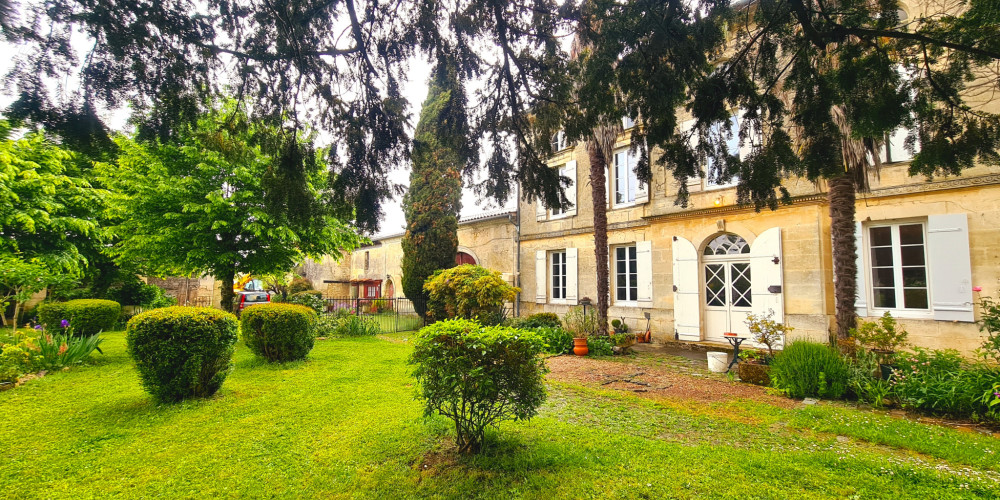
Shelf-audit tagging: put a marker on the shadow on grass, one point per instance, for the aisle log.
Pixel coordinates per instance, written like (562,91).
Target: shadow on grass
(257,363)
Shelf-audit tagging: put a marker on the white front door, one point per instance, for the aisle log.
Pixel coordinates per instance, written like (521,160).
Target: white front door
(727,297)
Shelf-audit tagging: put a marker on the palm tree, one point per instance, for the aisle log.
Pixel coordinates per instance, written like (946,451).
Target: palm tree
(600,147)
(861,161)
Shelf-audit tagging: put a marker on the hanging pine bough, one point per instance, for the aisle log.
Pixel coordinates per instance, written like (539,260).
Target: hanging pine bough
(335,65)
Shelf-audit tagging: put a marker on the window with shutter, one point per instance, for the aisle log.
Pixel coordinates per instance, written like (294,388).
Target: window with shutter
(625,275)
(917,268)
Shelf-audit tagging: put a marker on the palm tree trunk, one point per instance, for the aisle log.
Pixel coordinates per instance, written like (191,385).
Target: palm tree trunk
(845,269)
(598,183)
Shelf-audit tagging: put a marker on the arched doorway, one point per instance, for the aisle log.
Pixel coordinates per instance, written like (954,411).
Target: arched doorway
(464,258)
(727,297)
(390,289)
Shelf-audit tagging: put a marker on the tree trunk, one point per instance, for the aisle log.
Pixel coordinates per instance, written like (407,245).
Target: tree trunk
(598,183)
(845,269)
(227,278)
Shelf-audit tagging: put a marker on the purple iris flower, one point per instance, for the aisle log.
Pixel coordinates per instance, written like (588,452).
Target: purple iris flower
(38,327)
(64,323)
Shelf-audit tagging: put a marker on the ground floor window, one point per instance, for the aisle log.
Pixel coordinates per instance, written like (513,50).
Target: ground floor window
(559,275)
(626,274)
(898,264)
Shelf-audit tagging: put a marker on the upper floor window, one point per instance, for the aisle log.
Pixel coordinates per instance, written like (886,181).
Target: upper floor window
(712,175)
(627,123)
(626,274)
(559,141)
(570,172)
(898,264)
(625,182)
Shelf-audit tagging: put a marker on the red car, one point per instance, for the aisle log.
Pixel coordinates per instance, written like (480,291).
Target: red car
(247,299)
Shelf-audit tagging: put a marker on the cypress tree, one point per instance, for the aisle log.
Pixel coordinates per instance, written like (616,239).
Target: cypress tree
(441,150)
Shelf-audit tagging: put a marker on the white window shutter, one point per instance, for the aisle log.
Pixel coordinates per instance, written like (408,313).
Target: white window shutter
(687,299)
(570,171)
(541,273)
(572,288)
(950,267)
(539,210)
(861,293)
(766,277)
(644,266)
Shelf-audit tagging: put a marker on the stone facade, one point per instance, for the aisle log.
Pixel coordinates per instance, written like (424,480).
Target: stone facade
(788,262)
(200,292)
(489,240)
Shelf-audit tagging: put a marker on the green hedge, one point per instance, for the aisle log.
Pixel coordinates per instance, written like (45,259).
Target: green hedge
(86,316)
(182,352)
(279,332)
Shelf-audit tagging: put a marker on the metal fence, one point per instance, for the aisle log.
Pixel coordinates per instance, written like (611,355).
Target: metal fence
(392,315)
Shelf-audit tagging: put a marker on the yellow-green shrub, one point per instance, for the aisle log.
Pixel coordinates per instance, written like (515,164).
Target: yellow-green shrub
(279,332)
(468,291)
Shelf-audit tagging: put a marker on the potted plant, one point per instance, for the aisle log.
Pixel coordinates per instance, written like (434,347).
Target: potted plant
(753,367)
(764,331)
(882,337)
(582,324)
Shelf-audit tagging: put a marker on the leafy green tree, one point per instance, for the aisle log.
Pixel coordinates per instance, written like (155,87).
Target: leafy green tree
(48,209)
(209,203)
(442,149)
(19,280)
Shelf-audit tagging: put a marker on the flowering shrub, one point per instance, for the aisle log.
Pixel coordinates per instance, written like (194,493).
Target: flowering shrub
(87,316)
(989,323)
(279,332)
(182,352)
(478,376)
(941,382)
(46,351)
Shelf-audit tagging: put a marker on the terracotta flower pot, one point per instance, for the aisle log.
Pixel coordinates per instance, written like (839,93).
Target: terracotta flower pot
(580,347)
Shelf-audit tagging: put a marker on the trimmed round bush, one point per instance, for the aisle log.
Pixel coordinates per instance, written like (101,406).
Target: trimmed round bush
(86,316)
(542,320)
(182,352)
(279,332)
(809,369)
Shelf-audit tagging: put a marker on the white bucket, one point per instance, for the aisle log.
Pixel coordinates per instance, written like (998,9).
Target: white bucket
(718,361)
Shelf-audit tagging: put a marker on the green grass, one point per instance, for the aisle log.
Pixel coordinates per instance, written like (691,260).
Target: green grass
(344,423)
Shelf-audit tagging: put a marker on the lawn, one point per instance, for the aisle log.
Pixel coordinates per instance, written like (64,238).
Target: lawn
(345,424)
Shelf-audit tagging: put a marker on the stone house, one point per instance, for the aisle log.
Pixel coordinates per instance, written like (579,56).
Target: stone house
(374,271)
(698,271)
